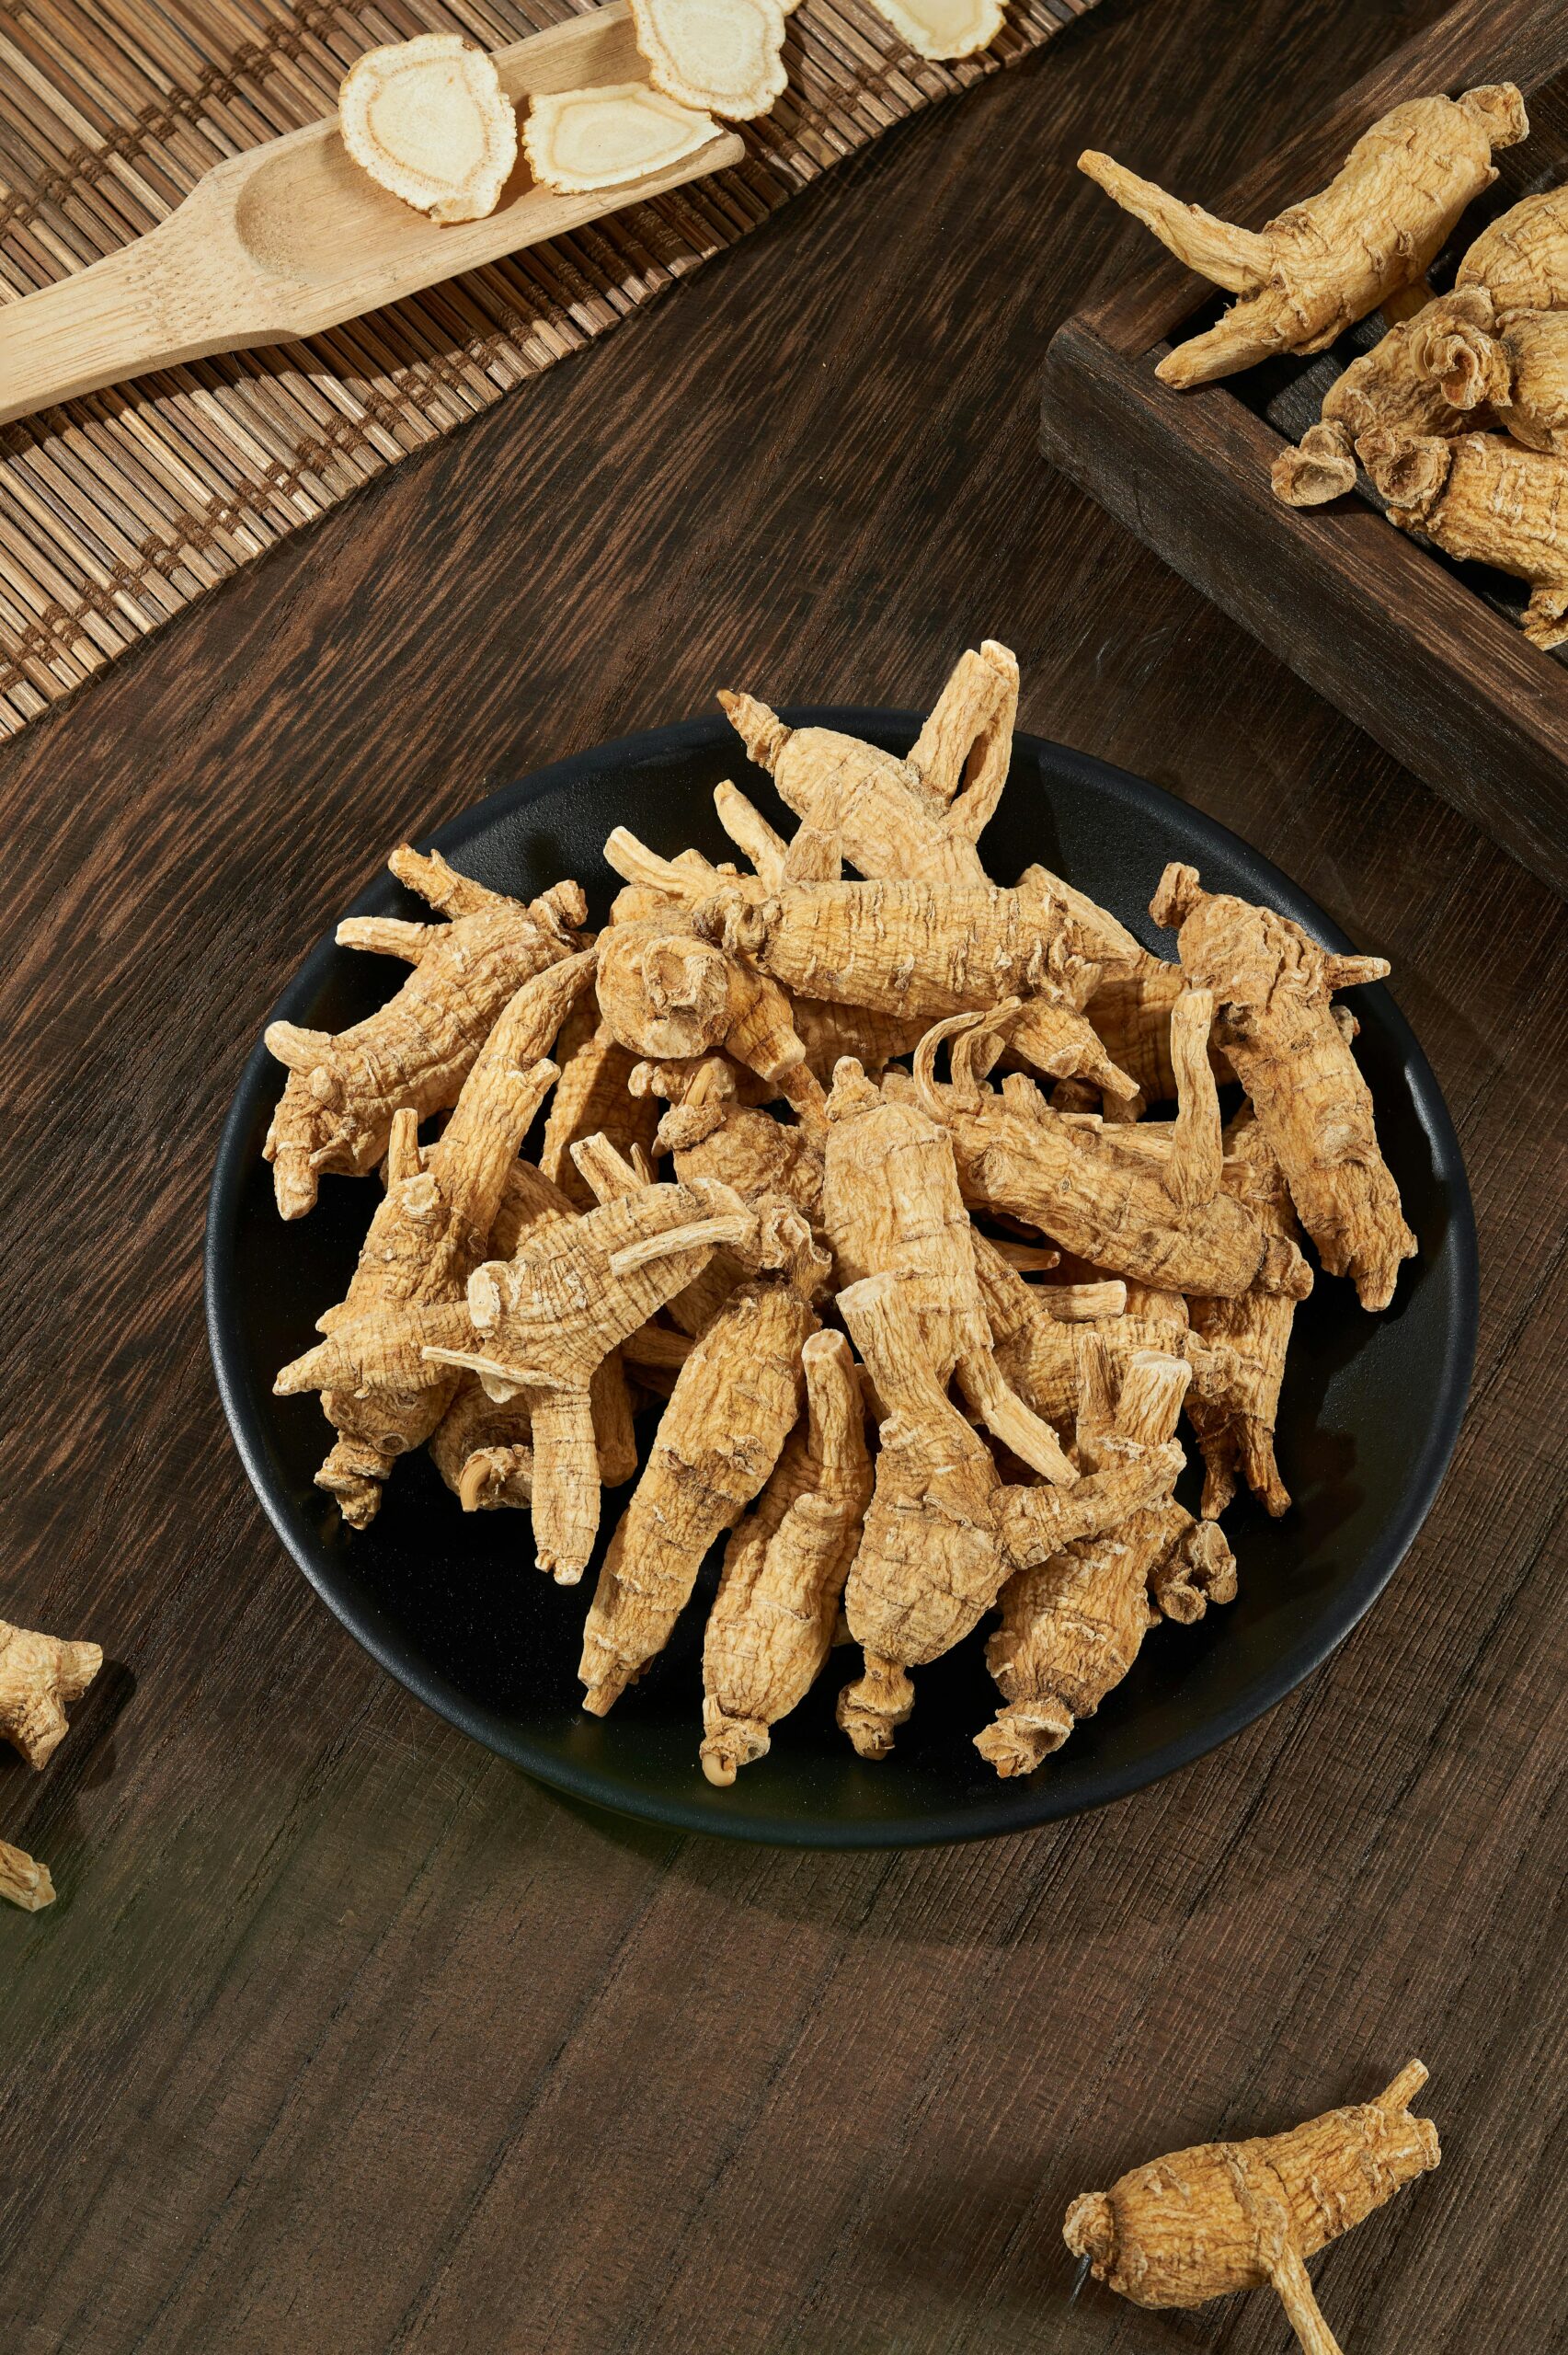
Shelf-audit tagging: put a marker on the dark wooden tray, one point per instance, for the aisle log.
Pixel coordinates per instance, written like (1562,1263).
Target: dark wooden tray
(1423,654)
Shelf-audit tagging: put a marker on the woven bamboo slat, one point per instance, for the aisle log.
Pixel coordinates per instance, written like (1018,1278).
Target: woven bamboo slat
(121,509)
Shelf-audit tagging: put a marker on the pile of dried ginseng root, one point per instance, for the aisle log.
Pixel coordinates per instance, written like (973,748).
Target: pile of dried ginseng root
(758,1199)
(1459,413)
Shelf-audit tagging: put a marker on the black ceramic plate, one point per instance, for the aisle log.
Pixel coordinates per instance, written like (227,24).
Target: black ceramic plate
(451,1603)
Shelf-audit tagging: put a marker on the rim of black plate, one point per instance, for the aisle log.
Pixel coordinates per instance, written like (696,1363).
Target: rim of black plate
(1024,1806)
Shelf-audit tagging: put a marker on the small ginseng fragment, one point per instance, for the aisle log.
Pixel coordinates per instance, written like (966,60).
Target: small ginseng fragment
(943,30)
(39,1675)
(23,1880)
(429,121)
(1202,2223)
(723,57)
(1317,268)
(1301,1079)
(580,139)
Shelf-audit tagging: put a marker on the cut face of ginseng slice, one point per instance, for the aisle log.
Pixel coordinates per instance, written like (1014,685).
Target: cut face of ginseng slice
(942,28)
(581,140)
(428,119)
(724,55)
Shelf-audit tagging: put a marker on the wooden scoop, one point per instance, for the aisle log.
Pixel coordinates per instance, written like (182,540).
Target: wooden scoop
(292,237)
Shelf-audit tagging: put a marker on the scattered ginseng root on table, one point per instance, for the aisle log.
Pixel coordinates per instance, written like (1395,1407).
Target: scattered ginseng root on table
(40,1675)
(1203,2223)
(751,1164)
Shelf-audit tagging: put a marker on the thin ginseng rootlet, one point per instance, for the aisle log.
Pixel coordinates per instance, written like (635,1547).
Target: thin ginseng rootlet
(849,1168)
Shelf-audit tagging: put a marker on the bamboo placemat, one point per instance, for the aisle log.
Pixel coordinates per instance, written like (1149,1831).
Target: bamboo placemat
(119,509)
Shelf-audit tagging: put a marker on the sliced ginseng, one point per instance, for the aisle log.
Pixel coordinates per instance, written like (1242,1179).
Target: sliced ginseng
(428,119)
(723,55)
(942,28)
(580,140)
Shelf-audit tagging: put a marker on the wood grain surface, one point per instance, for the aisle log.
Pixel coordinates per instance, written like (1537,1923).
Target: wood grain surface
(343,2037)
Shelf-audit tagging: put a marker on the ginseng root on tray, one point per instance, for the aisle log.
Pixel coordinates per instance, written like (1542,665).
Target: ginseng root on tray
(902,1194)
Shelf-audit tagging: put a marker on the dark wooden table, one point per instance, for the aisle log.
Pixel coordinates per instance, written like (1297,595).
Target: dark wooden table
(345,2036)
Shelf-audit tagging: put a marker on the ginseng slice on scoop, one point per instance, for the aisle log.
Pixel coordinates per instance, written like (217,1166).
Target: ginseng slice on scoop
(427,119)
(587,139)
(725,55)
(942,28)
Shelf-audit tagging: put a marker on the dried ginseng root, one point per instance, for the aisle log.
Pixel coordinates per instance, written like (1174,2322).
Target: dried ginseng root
(542,1322)
(1226,2216)
(1488,500)
(667,993)
(898,946)
(1160,1219)
(943,30)
(413,1053)
(1072,1625)
(1316,269)
(734,1405)
(480,1448)
(430,1230)
(891,1207)
(770,1626)
(23,1880)
(1234,1418)
(1515,372)
(39,1676)
(942,1536)
(428,120)
(725,57)
(593,1097)
(918,817)
(580,139)
(1521,259)
(1301,1079)
(1391,387)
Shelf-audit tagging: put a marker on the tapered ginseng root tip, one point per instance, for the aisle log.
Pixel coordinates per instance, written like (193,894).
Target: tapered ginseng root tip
(1499,109)
(1176,894)
(1322,466)
(730,1743)
(1089,2229)
(1410,473)
(294,1185)
(761,732)
(1023,1736)
(872,1709)
(1405,2087)
(1238,259)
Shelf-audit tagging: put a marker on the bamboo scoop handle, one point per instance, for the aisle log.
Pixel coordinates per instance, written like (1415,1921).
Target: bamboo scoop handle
(113,320)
